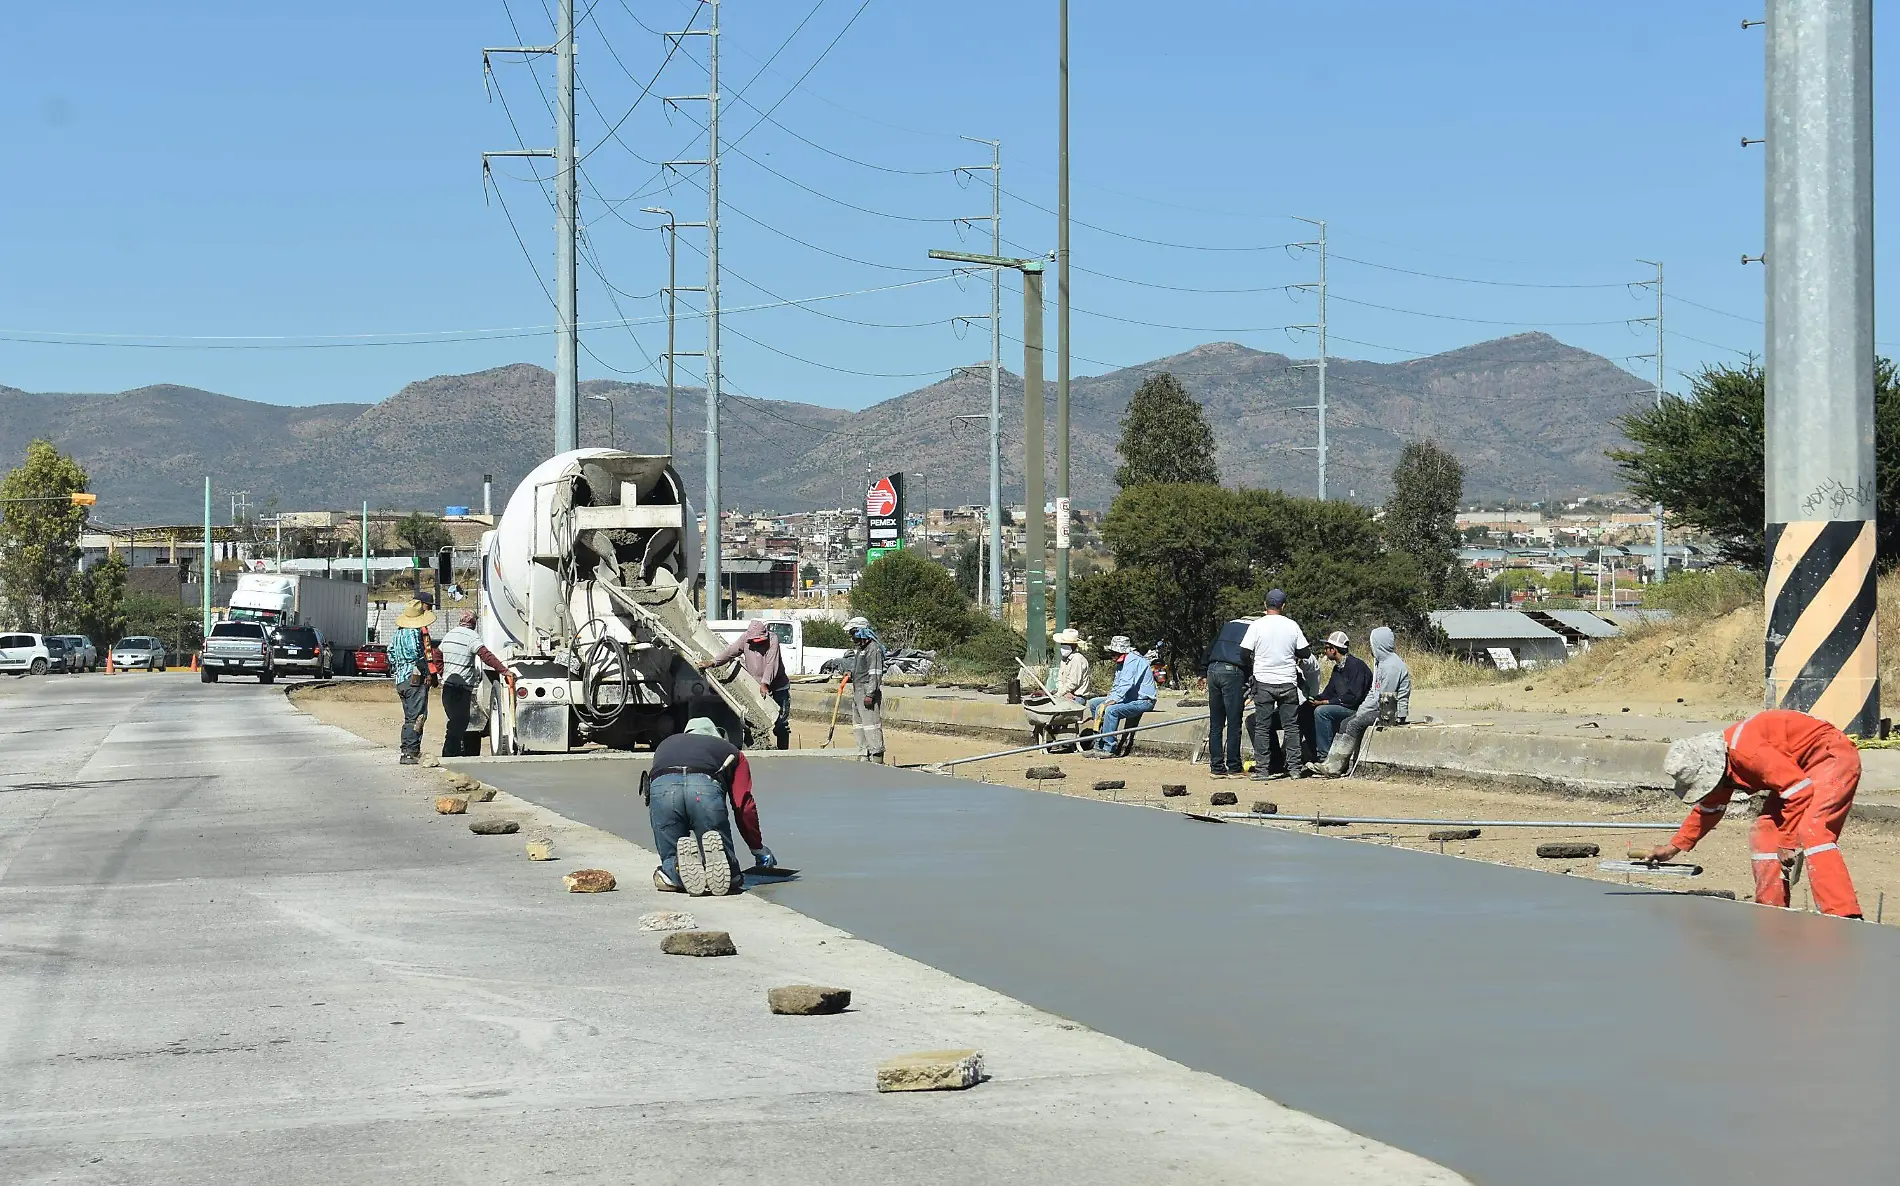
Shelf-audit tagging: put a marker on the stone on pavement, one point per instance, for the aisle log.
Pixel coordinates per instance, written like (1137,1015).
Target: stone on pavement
(698,943)
(451,805)
(931,1070)
(1040,772)
(808,1000)
(1111,784)
(1265,807)
(588,881)
(1173,790)
(1566,851)
(1454,834)
(493,827)
(540,850)
(667,920)
(481,792)
(1223,799)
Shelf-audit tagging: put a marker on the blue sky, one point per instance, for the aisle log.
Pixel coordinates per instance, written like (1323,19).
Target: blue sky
(275,176)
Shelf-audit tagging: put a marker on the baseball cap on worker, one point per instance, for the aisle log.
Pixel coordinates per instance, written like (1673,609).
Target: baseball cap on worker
(1338,639)
(1696,764)
(1276,598)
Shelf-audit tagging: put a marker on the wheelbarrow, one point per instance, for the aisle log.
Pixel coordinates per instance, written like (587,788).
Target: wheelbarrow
(1050,718)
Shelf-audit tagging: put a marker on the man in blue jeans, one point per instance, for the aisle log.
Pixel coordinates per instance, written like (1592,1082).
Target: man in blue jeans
(1132,694)
(1227,684)
(693,775)
(1343,693)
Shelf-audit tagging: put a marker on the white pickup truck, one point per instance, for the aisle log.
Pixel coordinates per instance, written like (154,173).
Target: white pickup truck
(237,648)
(798,658)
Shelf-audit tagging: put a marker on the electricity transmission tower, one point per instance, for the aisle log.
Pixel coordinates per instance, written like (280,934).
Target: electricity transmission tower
(671,293)
(994,593)
(567,416)
(1318,288)
(711,164)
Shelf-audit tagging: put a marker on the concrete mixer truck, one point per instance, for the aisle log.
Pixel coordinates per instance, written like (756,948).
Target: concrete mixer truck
(586,595)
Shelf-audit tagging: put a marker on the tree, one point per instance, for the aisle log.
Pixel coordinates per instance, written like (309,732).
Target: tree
(965,562)
(1701,458)
(1165,437)
(1421,519)
(912,601)
(164,618)
(424,533)
(98,605)
(39,541)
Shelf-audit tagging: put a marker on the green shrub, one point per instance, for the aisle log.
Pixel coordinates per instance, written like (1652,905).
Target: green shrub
(1708,593)
(912,601)
(823,632)
(990,649)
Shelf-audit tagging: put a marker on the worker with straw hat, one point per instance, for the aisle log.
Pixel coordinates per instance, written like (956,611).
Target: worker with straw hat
(1807,771)
(409,668)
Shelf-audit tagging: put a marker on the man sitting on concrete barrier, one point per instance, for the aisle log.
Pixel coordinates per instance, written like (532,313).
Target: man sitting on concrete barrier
(1343,693)
(1132,694)
(693,776)
(1808,772)
(1389,702)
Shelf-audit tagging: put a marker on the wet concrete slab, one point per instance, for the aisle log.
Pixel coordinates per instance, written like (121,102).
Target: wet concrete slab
(1514,1026)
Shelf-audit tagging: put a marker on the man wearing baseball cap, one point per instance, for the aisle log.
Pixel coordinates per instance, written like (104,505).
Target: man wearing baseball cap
(1807,769)
(1344,692)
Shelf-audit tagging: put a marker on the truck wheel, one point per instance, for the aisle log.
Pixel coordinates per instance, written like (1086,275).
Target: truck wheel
(39,667)
(207,676)
(267,677)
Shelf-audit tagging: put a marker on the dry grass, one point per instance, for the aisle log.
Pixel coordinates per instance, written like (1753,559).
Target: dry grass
(1432,670)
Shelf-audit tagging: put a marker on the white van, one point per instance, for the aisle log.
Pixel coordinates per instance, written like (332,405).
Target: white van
(798,658)
(24,653)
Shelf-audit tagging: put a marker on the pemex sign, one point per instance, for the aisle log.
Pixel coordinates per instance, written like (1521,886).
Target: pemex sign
(884,516)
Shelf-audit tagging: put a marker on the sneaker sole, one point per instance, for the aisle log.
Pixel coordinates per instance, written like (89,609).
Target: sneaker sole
(717,870)
(692,870)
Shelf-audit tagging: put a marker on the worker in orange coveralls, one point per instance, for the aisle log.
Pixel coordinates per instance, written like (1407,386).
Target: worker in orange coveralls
(1808,770)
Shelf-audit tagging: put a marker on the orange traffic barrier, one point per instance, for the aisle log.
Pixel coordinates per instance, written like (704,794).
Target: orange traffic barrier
(194,661)
(108,662)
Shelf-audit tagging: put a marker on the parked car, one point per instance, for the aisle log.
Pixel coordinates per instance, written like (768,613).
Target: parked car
(136,651)
(62,658)
(372,658)
(237,648)
(83,650)
(24,654)
(299,650)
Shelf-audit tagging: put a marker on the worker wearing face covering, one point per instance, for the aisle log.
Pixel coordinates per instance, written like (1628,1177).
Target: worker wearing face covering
(1807,769)
(867,689)
(757,650)
(1072,673)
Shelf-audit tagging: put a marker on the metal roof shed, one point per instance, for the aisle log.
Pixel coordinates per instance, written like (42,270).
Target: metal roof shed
(1477,632)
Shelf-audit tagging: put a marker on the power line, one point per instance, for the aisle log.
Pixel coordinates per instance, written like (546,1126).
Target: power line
(1366,263)
(1151,242)
(1475,320)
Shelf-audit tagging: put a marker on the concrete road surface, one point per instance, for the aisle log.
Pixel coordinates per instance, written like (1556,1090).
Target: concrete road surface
(237,946)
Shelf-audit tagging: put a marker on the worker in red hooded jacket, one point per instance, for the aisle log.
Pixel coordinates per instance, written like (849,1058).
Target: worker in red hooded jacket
(1808,770)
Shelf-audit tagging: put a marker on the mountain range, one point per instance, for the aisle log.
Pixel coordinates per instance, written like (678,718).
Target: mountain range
(1529,416)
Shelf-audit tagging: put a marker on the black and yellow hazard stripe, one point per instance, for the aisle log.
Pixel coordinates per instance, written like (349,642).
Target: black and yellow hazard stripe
(1821,644)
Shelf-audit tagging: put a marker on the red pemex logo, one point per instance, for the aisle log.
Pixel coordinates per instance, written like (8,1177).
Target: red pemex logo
(881,499)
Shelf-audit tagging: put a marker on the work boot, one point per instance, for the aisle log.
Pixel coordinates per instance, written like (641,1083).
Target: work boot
(877,757)
(664,884)
(717,869)
(409,760)
(692,868)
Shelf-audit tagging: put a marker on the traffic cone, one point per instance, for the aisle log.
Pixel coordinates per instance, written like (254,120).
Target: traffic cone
(108,662)
(194,660)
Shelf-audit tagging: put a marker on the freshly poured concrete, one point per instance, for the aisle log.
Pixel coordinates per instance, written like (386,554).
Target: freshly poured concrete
(237,946)
(1515,1026)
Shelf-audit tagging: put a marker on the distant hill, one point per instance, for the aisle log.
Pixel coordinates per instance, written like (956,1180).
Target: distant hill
(1527,415)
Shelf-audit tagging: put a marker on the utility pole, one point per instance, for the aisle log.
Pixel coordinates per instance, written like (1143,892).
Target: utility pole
(567,421)
(672,291)
(1821,495)
(365,527)
(1662,562)
(1062,318)
(995,219)
(1319,326)
(711,162)
(204,577)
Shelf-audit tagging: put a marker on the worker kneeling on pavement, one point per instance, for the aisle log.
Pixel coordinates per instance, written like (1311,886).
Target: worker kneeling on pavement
(694,774)
(1807,771)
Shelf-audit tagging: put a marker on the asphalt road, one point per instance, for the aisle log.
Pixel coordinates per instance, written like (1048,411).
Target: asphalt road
(236,945)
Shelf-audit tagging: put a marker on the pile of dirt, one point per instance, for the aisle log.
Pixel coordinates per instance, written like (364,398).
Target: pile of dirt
(1719,656)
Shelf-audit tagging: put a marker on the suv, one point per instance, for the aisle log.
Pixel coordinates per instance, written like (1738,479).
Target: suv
(25,653)
(139,650)
(237,648)
(299,650)
(85,655)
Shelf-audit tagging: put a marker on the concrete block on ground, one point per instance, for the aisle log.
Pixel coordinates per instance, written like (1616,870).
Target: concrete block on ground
(493,827)
(808,1000)
(931,1070)
(1566,851)
(451,805)
(588,881)
(1042,772)
(698,943)
(1111,784)
(1454,834)
(1173,790)
(1223,799)
(668,920)
(540,850)
(1265,807)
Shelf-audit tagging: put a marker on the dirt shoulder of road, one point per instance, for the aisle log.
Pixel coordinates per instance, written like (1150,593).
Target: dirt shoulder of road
(370,710)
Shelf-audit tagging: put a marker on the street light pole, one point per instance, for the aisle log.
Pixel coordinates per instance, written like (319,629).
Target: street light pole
(925,479)
(1035,560)
(1062,315)
(613,433)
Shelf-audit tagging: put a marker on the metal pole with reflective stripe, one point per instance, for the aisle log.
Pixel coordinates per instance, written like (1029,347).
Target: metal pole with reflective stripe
(1819,482)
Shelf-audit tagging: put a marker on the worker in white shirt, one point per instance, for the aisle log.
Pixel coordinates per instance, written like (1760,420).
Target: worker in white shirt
(1279,655)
